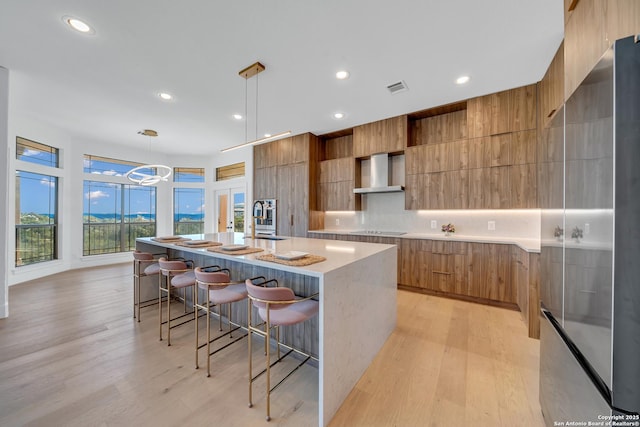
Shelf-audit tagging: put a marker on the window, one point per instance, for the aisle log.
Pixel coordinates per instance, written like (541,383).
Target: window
(188,175)
(36,218)
(188,210)
(235,170)
(35,152)
(115,215)
(97,165)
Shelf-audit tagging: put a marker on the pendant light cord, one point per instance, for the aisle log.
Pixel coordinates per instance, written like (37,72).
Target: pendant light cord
(246,119)
(257,77)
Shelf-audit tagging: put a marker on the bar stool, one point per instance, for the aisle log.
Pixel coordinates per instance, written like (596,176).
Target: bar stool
(151,268)
(179,275)
(277,306)
(220,290)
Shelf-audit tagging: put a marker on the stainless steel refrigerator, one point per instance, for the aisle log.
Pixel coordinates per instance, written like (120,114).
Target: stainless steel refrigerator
(589,160)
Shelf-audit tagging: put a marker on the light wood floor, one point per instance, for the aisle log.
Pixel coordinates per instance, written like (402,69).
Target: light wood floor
(71,354)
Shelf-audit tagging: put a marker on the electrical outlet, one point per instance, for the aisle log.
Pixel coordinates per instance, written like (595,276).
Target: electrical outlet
(434,224)
(491,225)
(337,221)
(587,228)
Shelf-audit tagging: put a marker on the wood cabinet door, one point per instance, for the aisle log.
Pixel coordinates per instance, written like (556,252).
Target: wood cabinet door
(265,155)
(294,149)
(523,147)
(264,183)
(285,195)
(489,270)
(479,116)
(292,200)
(551,91)
(523,186)
(383,136)
(415,263)
(522,108)
(498,273)
(489,188)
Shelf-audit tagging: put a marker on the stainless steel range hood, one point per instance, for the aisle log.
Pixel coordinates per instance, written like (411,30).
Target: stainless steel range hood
(379,178)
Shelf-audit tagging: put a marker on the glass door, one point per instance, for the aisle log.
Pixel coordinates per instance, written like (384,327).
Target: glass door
(230,210)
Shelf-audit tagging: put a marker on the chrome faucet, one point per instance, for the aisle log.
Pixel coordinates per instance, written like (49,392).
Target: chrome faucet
(255,217)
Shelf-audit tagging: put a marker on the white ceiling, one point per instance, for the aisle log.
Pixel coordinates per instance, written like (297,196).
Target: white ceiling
(104,87)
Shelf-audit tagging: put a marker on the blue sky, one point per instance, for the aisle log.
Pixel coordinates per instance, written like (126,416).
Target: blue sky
(36,193)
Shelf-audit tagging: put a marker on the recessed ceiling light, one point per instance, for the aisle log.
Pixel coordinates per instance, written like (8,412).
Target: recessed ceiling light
(78,25)
(342,74)
(166,96)
(237,116)
(462,80)
(338,115)
(267,135)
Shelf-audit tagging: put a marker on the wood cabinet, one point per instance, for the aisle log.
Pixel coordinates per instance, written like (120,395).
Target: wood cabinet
(490,272)
(336,184)
(439,190)
(494,168)
(337,175)
(293,200)
(384,136)
(503,172)
(507,111)
(590,30)
(551,88)
(414,263)
(264,183)
(438,128)
(449,269)
(285,170)
(502,274)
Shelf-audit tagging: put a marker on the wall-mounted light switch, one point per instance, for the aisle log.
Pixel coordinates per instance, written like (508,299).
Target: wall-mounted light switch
(337,221)
(587,228)
(491,225)
(434,223)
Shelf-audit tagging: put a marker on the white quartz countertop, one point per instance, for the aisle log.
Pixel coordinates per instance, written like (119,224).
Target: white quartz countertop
(529,245)
(337,253)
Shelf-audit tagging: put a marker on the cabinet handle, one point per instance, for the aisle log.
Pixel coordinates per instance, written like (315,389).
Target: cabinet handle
(442,272)
(292,220)
(584,291)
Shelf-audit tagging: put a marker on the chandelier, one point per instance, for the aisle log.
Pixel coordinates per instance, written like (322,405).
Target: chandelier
(149,174)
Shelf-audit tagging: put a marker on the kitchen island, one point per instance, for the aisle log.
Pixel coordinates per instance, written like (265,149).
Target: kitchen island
(357,287)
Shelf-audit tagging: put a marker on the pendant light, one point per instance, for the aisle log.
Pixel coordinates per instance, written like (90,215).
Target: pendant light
(140,175)
(247,73)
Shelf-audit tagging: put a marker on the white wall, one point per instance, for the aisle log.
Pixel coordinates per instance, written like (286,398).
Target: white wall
(4,188)
(385,211)
(71,176)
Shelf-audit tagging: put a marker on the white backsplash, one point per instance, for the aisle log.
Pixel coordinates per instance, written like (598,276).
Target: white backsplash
(385,212)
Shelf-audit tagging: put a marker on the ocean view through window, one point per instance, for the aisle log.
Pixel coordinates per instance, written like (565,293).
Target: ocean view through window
(188,211)
(115,215)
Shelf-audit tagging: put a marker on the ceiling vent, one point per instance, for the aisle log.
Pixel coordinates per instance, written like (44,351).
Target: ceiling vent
(400,86)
